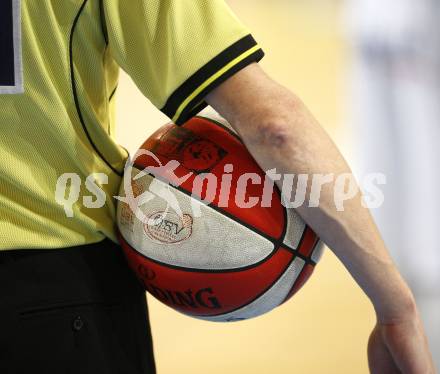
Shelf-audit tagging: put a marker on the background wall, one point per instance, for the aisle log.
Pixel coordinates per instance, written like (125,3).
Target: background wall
(324,328)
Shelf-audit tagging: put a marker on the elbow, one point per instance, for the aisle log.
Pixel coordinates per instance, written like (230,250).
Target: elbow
(275,127)
(272,133)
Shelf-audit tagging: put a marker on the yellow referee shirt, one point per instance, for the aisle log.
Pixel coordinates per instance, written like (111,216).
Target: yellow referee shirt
(59,64)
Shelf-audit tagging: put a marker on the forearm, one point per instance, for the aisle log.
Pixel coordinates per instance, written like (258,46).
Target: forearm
(281,133)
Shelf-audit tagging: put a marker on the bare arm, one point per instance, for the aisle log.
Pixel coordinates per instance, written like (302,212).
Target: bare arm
(281,133)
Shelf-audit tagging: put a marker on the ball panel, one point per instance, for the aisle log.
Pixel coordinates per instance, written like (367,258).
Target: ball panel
(295,229)
(308,242)
(302,279)
(203,293)
(267,301)
(209,114)
(209,240)
(318,252)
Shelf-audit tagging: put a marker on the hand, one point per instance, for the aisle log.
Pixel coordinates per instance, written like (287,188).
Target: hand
(400,347)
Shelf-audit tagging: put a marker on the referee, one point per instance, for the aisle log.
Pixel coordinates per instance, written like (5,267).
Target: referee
(68,304)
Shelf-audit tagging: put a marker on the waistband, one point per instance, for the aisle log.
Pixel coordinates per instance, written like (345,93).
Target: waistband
(90,273)
(12,255)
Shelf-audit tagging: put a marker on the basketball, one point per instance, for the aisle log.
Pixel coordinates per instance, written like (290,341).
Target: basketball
(205,230)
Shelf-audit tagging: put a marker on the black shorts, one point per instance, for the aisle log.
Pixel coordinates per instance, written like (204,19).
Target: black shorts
(76,310)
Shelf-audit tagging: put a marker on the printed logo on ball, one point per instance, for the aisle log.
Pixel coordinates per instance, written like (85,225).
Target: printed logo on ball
(194,152)
(168,227)
(202,155)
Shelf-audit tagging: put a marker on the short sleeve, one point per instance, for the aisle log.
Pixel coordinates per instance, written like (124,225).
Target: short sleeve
(177,51)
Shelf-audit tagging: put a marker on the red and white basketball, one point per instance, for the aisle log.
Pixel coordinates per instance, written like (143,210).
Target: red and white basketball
(201,230)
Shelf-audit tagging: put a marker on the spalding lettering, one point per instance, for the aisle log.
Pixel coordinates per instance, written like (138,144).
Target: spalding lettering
(209,302)
(204,297)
